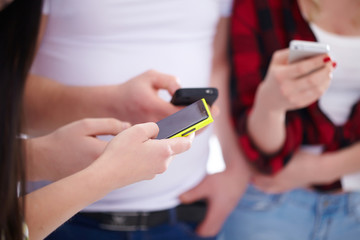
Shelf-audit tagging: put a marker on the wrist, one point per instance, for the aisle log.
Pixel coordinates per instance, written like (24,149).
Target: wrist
(265,105)
(35,159)
(329,169)
(238,167)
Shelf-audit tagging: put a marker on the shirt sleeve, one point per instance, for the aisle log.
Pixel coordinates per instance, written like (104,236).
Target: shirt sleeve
(46,7)
(225,7)
(249,69)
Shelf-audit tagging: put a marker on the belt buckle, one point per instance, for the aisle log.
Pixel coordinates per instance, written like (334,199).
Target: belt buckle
(127,221)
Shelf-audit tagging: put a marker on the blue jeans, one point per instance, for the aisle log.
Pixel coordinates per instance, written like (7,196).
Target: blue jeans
(83,228)
(297,215)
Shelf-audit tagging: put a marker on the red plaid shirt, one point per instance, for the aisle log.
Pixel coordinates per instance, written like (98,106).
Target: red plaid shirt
(260,27)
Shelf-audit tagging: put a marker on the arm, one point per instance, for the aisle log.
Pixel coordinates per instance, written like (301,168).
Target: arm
(49,104)
(130,157)
(286,87)
(261,101)
(221,190)
(68,149)
(307,169)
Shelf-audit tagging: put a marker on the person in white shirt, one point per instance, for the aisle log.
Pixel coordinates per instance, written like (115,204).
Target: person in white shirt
(132,155)
(91,49)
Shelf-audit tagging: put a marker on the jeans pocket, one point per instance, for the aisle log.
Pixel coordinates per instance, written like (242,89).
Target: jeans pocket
(257,200)
(354,206)
(188,229)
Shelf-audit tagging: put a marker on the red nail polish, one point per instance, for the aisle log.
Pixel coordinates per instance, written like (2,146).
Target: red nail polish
(334,64)
(326,59)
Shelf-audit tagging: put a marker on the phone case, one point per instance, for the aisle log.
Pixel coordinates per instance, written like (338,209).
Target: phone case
(186,96)
(189,129)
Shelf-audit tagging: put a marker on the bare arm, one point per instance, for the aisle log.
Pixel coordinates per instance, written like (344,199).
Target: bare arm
(69,149)
(221,190)
(307,169)
(49,104)
(283,90)
(130,157)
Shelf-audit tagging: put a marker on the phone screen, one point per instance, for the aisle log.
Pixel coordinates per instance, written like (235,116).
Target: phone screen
(181,120)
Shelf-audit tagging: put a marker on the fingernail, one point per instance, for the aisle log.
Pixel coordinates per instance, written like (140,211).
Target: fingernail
(326,59)
(126,125)
(334,64)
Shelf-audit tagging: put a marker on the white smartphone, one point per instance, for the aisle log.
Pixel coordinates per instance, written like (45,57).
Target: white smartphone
(300,49)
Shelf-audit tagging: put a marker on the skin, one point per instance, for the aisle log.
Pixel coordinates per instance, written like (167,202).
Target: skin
(49,105)
(306,169)
(131,156)
(69,149)
(286,87)
(223,190)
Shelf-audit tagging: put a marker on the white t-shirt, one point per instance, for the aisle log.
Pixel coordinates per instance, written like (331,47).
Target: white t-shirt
(91,42)
(344,90)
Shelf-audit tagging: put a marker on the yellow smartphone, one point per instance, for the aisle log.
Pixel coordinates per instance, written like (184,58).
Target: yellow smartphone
(187,120)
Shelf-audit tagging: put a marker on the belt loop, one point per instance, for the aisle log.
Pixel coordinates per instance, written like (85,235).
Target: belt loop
(173,216)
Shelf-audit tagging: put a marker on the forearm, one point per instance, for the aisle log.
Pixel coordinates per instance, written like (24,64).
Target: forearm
(49,207)
(34,156)
(342,162)
(233,157)
(48,104)
(266,127)
(220,77)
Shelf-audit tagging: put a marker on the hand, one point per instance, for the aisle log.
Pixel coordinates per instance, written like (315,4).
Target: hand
(137,100)
(133,155)
(303,170)
(70,148)
(222,191)
(293,86)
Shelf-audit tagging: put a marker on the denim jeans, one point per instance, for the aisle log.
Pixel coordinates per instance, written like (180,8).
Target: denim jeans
(83,228)
(297,215)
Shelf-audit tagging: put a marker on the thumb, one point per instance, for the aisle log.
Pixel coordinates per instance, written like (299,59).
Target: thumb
(165,81)
(99,126)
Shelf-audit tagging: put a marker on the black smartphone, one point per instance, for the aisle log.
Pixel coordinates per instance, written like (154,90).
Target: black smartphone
(186,96)
(185,121)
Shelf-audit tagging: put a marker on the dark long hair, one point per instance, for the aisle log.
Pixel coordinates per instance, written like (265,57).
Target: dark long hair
(19,23)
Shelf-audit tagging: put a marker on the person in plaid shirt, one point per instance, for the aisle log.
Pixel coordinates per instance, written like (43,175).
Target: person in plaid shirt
(299,128)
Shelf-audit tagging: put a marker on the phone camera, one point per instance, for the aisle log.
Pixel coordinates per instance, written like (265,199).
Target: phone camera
(208,91)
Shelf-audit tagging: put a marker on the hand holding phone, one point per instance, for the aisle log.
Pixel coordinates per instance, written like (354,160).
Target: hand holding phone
(186,96)
(185,121)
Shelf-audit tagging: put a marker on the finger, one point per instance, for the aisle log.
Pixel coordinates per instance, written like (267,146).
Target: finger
(319,80)
(311,93)
(180,144)
(144,131)
(214,219)
(215,111)
(306,66)
(165,81)
(100,126)
(280,56)
(163,109)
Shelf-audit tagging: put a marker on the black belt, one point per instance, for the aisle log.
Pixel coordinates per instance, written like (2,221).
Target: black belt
(132,221)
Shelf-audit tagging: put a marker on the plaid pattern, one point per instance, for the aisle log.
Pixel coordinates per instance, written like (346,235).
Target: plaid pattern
(260,27)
